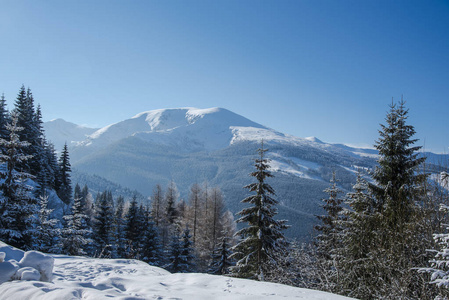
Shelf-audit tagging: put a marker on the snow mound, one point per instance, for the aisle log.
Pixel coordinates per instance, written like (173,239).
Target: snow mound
(16,264)
(90,278)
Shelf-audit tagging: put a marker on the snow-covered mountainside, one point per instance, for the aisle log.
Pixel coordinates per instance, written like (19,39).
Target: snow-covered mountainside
(189,145)
(62,132)
(89,278)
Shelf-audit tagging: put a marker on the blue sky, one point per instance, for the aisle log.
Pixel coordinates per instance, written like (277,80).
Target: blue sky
(308,68)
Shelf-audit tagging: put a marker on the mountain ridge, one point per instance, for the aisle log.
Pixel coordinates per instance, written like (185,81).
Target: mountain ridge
(217,146)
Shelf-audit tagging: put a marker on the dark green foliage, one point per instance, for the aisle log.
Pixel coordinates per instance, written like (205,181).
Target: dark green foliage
(221,261)
(65,189)
(330,229)
(132,230)
(151,251)
(388,232)
(120,228)
(181,258)
(263,239)
(18,205)
(76,233)
(4,118)
(103,226)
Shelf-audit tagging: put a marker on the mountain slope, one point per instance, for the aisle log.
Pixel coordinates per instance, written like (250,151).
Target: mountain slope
(217,146)
(60,132)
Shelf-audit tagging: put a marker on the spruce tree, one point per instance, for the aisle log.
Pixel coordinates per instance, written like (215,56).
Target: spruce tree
(76,233)
(18,206)
(48,234)
(65,190)
(120,228)
(174,253)
(103,226)
(263,238)
(151,248)
(329,238)
(221,261)
(186,257)
(132,229)
(4,118)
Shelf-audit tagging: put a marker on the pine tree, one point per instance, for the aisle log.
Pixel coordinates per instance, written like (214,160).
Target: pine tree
(76,233)
(18,205)
(48,234)
(120,228)
(356,263)
(186,257)
(103,226)
(394,218)
(330,228)
(4,118)
(221,261)
(174,253)
(151,248)
(263,237)
(132,229)
(65,190)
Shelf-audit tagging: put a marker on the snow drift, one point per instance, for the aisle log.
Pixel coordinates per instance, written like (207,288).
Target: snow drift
(90,278)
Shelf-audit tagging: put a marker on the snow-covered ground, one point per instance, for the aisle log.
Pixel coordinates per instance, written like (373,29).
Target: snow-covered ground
(89,278)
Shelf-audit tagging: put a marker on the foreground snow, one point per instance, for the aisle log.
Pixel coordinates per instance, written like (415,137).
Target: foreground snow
(89,278)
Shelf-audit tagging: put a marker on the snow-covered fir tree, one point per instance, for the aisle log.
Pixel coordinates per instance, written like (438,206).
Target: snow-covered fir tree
(262,239)
(120,227)
(181,258)
(173,253)
(103,226)
(18,206)
(47,236)
(221,261)
(187,257)
(76,233)
(330,229)
(65,189)
(4,118)
(151,247)
(132,229)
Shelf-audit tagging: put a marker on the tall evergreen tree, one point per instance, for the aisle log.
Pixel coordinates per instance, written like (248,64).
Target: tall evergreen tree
(47,237)
(330,228)
(4,118)
(120,228)
(151,248)
(103,226)
(132,229)
(398,233)
(221,261)
(76,233)
(18,205)
(65,190)
(263,238)
(186,257)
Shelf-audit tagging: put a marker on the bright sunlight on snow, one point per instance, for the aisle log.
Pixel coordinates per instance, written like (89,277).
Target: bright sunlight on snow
(91,278)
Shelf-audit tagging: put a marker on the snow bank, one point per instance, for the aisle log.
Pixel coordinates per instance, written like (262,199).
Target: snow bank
(16,264)
(91,278)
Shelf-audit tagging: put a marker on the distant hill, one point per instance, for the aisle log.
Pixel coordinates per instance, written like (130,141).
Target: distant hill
(217,146)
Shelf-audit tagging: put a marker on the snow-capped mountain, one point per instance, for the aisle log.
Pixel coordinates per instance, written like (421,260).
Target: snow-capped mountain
(189,145)
(61,132)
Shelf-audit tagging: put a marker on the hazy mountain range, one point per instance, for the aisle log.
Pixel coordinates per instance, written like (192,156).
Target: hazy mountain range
(217,146)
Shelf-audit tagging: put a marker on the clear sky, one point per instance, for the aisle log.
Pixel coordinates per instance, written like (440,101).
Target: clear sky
(308,68)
